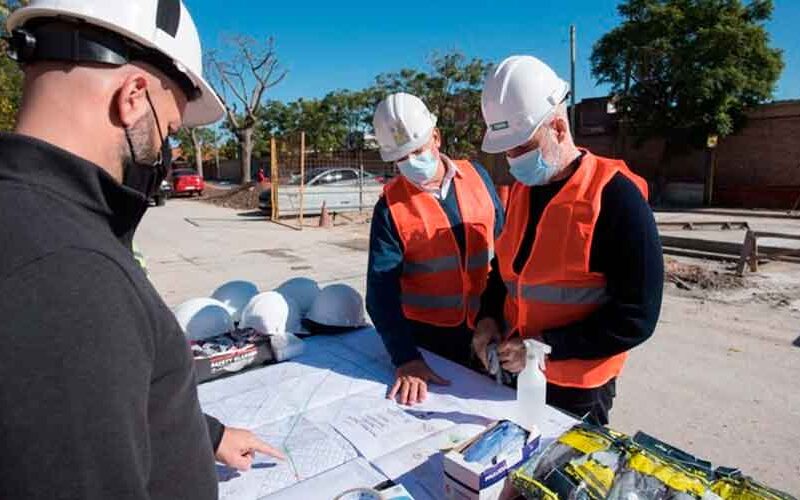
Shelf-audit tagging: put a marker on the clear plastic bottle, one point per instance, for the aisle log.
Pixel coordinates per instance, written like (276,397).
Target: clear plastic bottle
(532,385)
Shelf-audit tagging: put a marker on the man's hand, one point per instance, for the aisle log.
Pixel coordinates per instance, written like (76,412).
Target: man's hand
(486,331)
(512,355)
(238,448)
(412,380)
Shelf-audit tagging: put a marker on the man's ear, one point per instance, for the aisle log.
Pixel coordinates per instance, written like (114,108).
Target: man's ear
(437,138)
(561,127)
(131,100)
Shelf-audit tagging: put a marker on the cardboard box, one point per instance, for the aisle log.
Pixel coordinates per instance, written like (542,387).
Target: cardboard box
(472,481)
(235,360)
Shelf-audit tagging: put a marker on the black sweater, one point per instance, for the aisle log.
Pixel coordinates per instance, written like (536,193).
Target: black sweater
(626,248)
(98,397)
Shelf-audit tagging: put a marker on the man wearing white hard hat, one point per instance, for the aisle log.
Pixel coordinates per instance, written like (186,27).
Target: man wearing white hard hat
(579,261)
(431,245)
(99,398)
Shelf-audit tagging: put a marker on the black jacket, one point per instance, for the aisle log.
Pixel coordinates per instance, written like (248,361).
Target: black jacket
(97,392)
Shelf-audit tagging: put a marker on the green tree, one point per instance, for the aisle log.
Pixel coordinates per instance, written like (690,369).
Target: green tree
(327,122)
(229,149)
(684,70)
(10,75)
(451,88)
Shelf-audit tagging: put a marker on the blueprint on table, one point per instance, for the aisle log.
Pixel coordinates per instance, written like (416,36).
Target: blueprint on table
(310,450)
(291,404)
(327,408)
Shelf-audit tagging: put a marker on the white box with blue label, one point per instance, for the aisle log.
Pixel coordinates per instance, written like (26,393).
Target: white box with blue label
(479,468)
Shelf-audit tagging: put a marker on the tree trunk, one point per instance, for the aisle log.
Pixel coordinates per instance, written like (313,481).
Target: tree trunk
(198,152)
(246,147)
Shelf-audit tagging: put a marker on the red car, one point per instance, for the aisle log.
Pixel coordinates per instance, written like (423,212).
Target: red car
(187,181)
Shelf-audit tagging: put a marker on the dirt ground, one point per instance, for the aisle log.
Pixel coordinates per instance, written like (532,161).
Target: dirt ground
(238,198)
(700,275)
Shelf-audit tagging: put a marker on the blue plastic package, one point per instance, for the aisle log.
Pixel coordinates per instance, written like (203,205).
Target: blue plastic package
(502,440)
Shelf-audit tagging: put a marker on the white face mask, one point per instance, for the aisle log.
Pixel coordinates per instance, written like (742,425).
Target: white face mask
(532,169)
(419,169)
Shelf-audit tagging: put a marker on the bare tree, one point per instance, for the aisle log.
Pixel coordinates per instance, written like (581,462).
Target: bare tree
(241,81)
(198,151)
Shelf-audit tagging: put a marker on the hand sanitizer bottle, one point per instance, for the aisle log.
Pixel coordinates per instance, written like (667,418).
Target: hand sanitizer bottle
(532,385)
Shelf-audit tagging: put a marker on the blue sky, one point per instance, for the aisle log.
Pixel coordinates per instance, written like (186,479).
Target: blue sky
(329,45)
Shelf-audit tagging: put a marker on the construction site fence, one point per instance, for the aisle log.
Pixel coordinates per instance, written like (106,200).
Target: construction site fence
(305,183)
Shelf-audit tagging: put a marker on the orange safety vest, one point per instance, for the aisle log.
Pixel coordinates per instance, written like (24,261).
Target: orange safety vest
(556,287)
(439,285)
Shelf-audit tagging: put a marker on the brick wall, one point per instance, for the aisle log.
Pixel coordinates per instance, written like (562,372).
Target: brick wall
(759,167)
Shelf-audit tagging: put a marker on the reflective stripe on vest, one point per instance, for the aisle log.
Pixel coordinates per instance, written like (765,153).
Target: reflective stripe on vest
(438,301)
(563,295)
(560,294)
(448,263)
(556,287)
(439,284)
(480,260)
(436,265)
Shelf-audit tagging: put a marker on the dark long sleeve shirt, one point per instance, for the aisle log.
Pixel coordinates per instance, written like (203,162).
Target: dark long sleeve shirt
(626,249)
(99,398)
(400,335)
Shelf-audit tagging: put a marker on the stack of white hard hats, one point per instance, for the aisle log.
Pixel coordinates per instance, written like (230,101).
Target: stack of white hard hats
(203,318)
(338,306)
(279,313)
(235,295)
(271,313)
(303,291)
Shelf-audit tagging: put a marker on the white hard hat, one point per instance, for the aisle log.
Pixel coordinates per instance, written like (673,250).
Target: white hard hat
(519,95)
(271,313)
(339,306)
(303,291)
(163,26)
(235,295)
(203,318)
(402,124)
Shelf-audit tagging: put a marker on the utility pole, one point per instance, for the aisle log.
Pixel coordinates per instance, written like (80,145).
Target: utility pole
(572,78)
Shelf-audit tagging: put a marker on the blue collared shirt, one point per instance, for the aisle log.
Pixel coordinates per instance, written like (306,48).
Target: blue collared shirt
(386,268)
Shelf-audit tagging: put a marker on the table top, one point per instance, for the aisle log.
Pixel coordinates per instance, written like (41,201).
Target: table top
(327,410)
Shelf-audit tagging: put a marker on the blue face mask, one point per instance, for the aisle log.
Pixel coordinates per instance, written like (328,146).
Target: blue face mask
(419,169)
(530,169)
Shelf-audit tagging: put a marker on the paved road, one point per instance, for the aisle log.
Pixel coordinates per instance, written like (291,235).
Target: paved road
(720,378)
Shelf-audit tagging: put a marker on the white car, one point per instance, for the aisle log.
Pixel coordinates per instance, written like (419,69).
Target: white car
(337,187)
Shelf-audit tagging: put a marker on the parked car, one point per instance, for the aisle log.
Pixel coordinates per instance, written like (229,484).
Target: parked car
(337,187)
(164,190)
(187,181)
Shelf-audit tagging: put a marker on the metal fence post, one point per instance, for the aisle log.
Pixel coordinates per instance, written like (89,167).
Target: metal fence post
(302,175)
(360,182)
(274,178)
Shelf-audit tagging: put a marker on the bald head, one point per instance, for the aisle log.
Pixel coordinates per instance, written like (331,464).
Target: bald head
(86,109)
